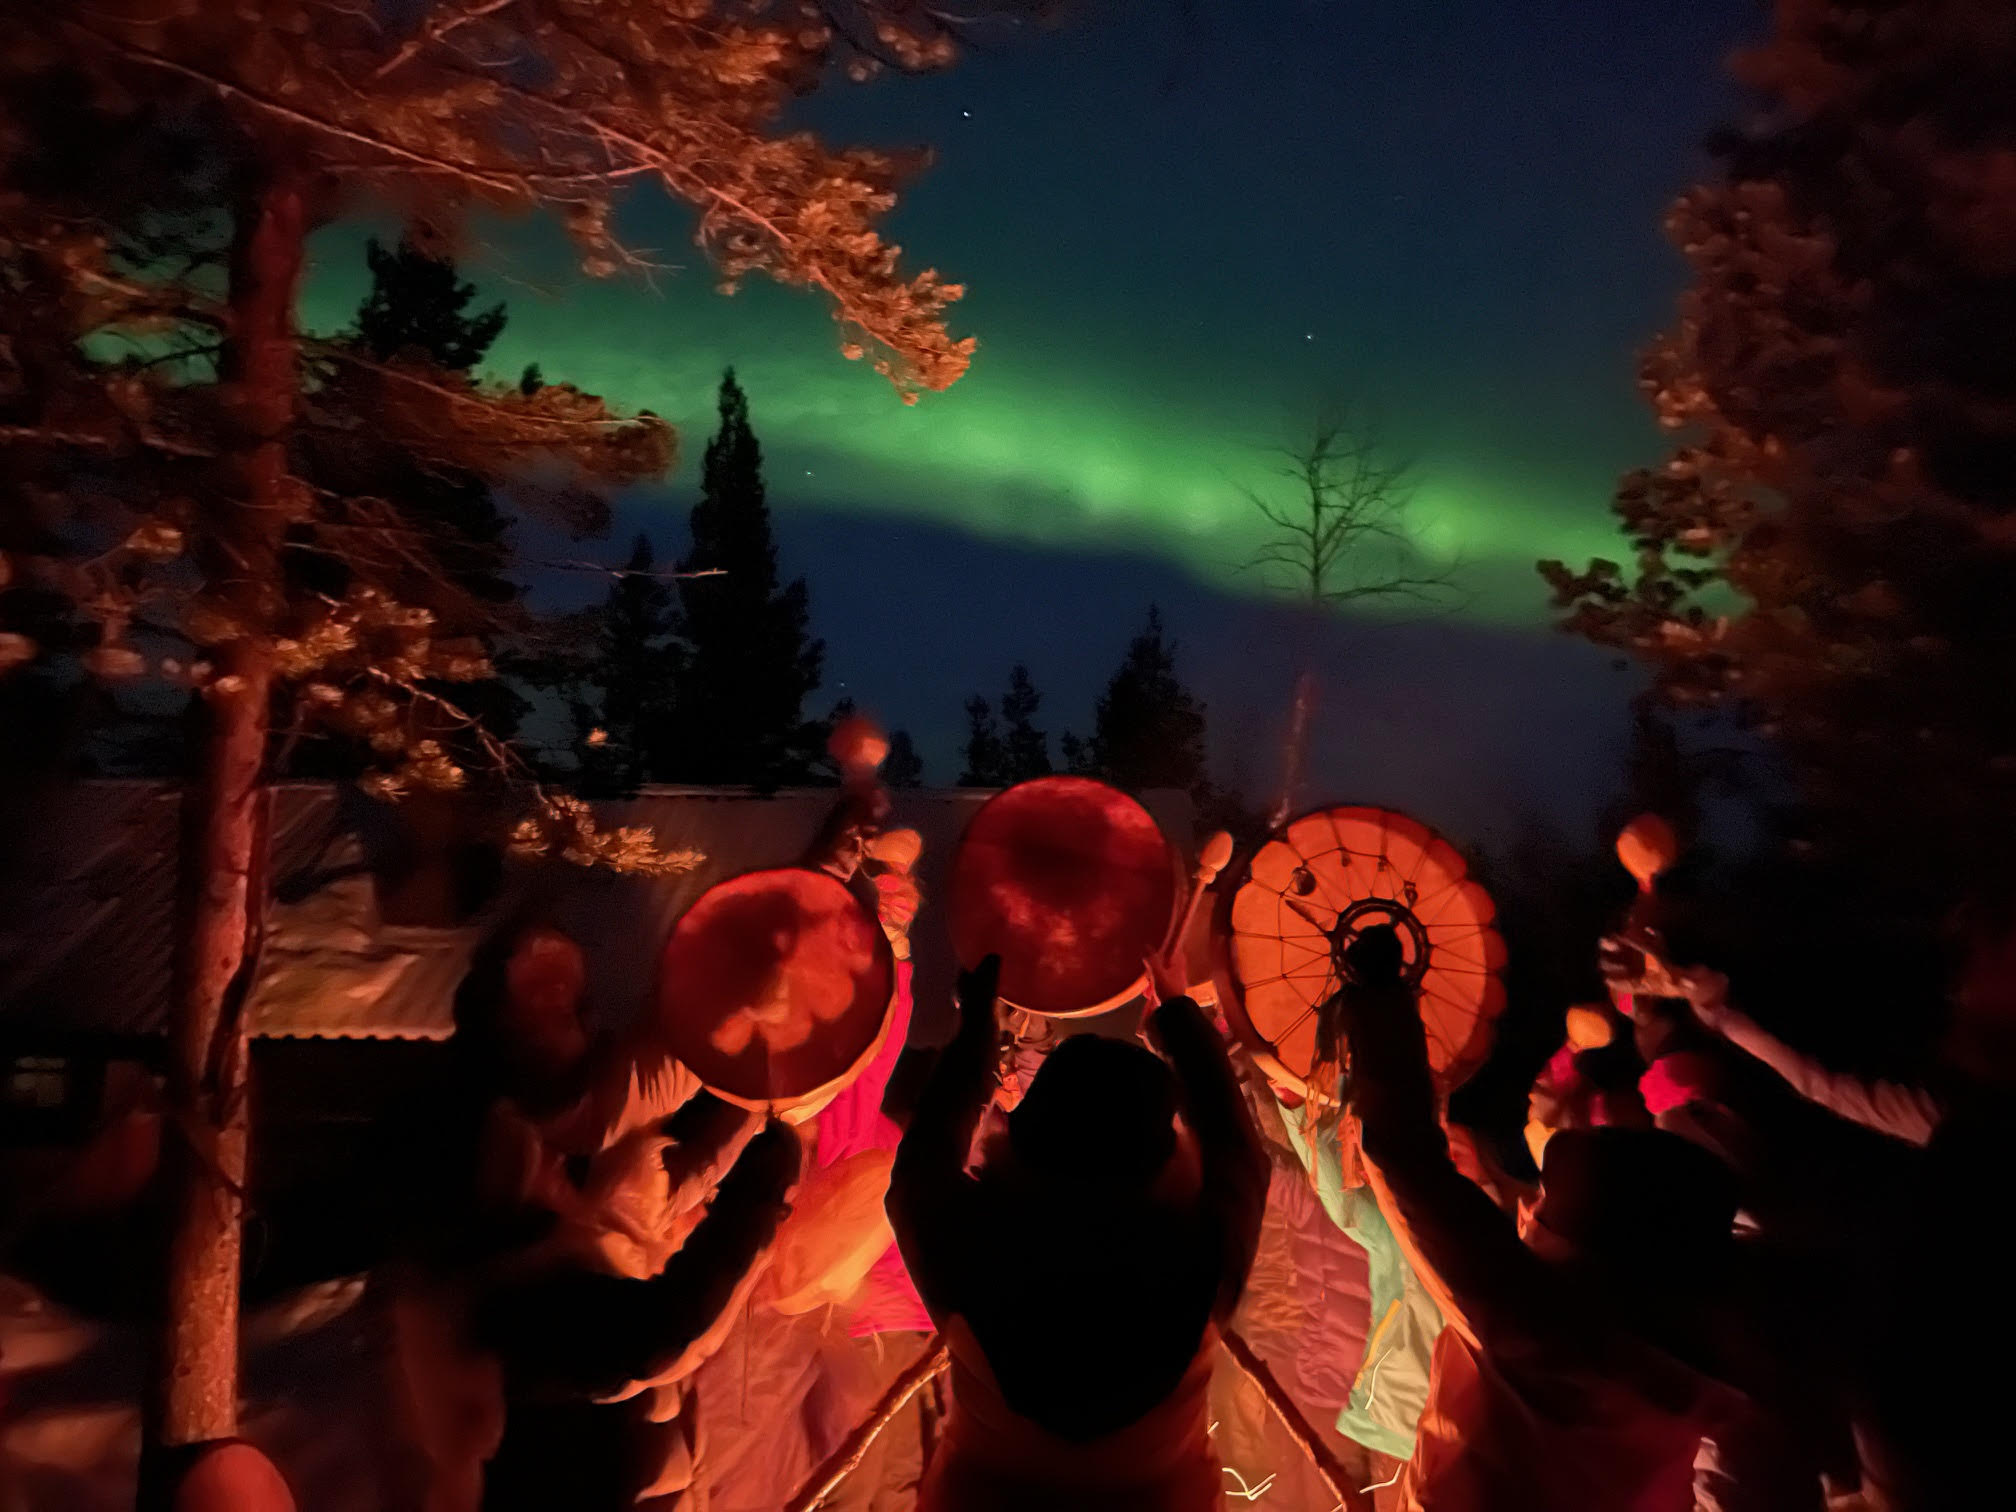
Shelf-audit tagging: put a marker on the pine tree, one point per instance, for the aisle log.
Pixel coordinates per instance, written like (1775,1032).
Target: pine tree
(827,768)
(630,678)
(986,756)
(1077,754)
(1148,729)
(903,767)
(296,107)
(1827,554)
(749,663)
(416,308)
(1025,749)
(456,538)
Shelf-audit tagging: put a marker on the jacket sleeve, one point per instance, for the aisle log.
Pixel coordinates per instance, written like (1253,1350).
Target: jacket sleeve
(1464,1248)
(585,1334)
(1903,1112)
(1234,1162)
(930,1194)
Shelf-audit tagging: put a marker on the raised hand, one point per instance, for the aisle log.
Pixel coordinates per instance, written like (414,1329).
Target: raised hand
(1168,975)
(1629,966)
(1707,993)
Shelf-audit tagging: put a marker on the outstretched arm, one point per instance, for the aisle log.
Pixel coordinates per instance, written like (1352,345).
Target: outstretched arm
(585,1334)
(929,1192)
(1465,1248)
(1229,1150)
(1903,1112)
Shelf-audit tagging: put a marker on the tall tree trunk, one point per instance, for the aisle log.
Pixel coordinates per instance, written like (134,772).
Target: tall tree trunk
(1295,746)
(221,898)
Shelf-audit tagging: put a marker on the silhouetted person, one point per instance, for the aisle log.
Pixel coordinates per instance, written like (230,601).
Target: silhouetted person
(566,1339)
(572,1340)
(1929,1420)
(1579,1365)
(1078,1273)
(1941,1329)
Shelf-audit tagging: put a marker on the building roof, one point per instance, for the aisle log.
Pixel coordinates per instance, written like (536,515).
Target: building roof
(87,898)
(87,919)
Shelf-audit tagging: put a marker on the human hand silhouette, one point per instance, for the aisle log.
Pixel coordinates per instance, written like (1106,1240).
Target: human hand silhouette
(979,997)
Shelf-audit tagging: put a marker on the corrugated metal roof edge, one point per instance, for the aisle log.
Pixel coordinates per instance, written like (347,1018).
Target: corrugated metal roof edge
(438,1036)
(410,1031)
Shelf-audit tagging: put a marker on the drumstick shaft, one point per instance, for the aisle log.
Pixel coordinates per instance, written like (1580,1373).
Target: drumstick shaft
(1182,930)
(1210,861)
(854,1448)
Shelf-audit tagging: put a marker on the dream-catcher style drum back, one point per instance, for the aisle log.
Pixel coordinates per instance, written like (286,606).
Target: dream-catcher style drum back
(1073,885)
(776,988)
(1308,892)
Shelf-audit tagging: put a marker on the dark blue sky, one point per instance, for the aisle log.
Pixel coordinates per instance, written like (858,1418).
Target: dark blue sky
(1182,233)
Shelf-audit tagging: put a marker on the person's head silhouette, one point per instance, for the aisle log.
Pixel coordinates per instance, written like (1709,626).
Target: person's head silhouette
(1098,1118)
(1638,1201)
(1376,958)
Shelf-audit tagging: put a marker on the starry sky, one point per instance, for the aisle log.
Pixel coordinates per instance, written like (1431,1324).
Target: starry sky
(1184,229)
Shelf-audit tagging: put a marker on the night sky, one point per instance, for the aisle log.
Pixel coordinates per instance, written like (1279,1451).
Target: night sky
(1181,235)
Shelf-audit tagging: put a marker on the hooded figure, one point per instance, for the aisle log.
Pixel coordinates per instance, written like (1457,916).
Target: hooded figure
(1078,1274)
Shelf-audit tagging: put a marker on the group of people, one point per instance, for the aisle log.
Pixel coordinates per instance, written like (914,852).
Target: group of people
(1680,1313)
(1684,1312)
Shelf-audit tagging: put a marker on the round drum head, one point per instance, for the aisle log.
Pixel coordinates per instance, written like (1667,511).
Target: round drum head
(1311,889)
(1072,884)
(775,987)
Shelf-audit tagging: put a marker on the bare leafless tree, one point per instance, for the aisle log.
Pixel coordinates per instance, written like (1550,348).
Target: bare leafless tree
(1340,535)
(1337,535)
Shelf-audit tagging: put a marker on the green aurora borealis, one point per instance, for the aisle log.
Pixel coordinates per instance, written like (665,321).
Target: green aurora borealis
(1475,264)
(1035,445)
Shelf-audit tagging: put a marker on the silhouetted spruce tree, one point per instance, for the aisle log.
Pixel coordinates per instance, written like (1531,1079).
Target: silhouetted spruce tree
(1148,729)
(749,662)
(825,768)
(630,679)
(415,321)
(1025,749)
(986,756)
(903,768)
(414,314)
(418,305)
